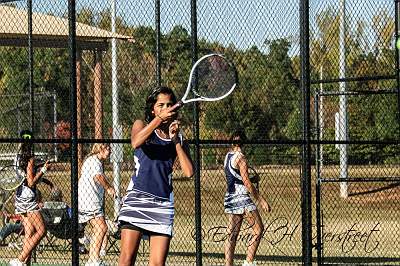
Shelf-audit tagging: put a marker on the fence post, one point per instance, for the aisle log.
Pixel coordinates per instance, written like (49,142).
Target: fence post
(197,159)
(30,63)
(396,25)
(74,141)
(158,42)
(306,164)
(342,117)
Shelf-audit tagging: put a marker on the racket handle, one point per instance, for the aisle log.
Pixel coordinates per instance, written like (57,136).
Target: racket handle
(178,105)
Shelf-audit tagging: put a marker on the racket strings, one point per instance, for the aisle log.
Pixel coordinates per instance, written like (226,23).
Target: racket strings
(213,77)
(11,177)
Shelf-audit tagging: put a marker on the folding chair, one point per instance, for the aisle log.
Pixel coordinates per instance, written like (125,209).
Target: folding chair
(58,224)
(114,235)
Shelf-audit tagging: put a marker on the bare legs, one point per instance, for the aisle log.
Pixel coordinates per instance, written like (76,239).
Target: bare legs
(99,233)
(235,222)
(233,229)
(130,240)
(254,219)
(104,244)
(159,246)
(34,229)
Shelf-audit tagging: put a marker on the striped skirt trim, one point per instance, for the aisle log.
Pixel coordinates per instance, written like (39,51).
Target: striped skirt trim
(238,203)
(24,206)
(148,212)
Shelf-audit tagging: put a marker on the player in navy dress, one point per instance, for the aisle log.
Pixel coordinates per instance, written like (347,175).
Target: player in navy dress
(26,202)
(148,207)
(239,204)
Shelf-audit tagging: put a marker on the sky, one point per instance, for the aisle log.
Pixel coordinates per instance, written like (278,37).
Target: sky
(243,23)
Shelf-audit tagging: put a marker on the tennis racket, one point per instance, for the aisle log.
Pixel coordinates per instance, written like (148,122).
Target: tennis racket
(11,177)
(212,78)
(5,197)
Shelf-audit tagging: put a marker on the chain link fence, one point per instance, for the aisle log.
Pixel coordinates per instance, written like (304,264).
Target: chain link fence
(126,48)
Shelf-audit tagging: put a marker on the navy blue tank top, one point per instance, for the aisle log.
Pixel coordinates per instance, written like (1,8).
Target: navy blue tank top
(232,175)
(154,162)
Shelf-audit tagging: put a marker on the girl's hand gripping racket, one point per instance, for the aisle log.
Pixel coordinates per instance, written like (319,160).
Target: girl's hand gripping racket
(212,78)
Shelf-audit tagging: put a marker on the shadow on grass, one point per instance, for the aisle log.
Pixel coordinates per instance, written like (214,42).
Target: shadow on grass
(372,191)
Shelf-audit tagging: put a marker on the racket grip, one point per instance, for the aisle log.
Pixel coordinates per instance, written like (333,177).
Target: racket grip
(178,105)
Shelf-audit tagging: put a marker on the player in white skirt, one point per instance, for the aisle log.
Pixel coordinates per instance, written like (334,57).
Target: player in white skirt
(92,186)
(238,203)
(148,207)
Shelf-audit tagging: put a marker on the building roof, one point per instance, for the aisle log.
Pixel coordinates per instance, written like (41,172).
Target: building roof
(49,31)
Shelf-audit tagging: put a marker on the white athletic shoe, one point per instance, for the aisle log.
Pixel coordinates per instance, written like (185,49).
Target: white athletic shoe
(246,263)
(16,262)
(96,263)
(15,245)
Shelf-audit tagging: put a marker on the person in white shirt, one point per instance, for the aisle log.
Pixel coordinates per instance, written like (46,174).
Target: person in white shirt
(92,186)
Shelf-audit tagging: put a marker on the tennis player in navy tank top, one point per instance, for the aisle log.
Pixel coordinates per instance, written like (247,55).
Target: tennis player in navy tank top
(239,204)
(25,199)
(148,207)
(153,166)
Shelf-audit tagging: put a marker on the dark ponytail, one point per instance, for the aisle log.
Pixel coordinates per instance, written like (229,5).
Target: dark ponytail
(238,137)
